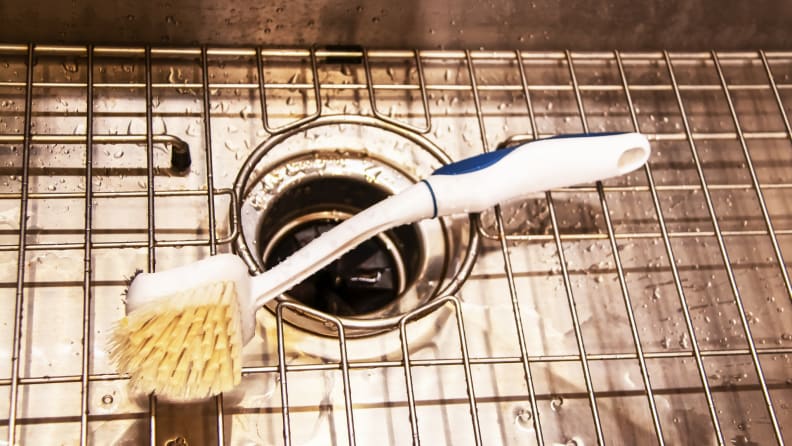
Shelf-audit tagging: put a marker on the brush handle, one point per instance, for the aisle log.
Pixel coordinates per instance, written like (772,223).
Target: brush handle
(480,182)
(471,185)
(410,205)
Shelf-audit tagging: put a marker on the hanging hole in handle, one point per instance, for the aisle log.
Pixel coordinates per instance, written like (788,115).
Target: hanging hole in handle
(632,159)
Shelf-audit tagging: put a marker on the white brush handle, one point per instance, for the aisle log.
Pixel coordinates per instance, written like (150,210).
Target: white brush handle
(480,182)
(410,205)
(470,185)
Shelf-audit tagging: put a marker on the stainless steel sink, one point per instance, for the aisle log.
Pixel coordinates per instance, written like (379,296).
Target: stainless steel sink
(653,307)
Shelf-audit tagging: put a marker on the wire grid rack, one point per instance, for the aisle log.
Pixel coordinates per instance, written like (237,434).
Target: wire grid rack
(702,228)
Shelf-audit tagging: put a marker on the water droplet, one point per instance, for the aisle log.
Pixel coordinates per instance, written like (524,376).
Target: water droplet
(231,146)
(131,18)
(118,154)
(556,403)
(684,341)
(170,19)
(294,78)
(279,9)
(178,441)
(107,399)
(70,67)
(372,173)
(523,418)
(190,130)
(656,294)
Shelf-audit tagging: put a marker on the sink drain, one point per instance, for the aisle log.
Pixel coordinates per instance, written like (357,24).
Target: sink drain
(295,186)
(365,280)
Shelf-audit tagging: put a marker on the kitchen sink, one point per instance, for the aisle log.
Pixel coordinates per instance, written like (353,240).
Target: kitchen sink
(649,308)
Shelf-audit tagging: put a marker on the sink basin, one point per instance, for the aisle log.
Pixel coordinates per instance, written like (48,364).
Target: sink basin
(652,306)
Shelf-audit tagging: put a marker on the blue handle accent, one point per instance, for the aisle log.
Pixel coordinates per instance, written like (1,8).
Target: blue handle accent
(474,163)
(434,199)
(480,162)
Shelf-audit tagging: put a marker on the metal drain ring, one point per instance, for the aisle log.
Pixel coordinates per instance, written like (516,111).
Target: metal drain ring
(246,170)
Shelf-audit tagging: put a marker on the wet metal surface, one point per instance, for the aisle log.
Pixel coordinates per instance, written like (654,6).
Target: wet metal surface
(652,307)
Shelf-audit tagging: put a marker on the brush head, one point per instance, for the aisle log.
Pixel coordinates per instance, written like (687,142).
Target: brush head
(185,329)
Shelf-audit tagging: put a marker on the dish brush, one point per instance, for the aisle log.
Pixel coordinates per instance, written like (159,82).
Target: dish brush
(185,327)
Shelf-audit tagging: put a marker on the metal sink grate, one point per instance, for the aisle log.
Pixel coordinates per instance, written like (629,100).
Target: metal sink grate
(651,306)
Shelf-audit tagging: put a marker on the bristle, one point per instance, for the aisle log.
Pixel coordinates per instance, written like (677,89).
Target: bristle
(183,347)
(130,279)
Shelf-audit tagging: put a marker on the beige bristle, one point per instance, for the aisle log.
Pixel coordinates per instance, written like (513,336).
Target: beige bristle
(184,346)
